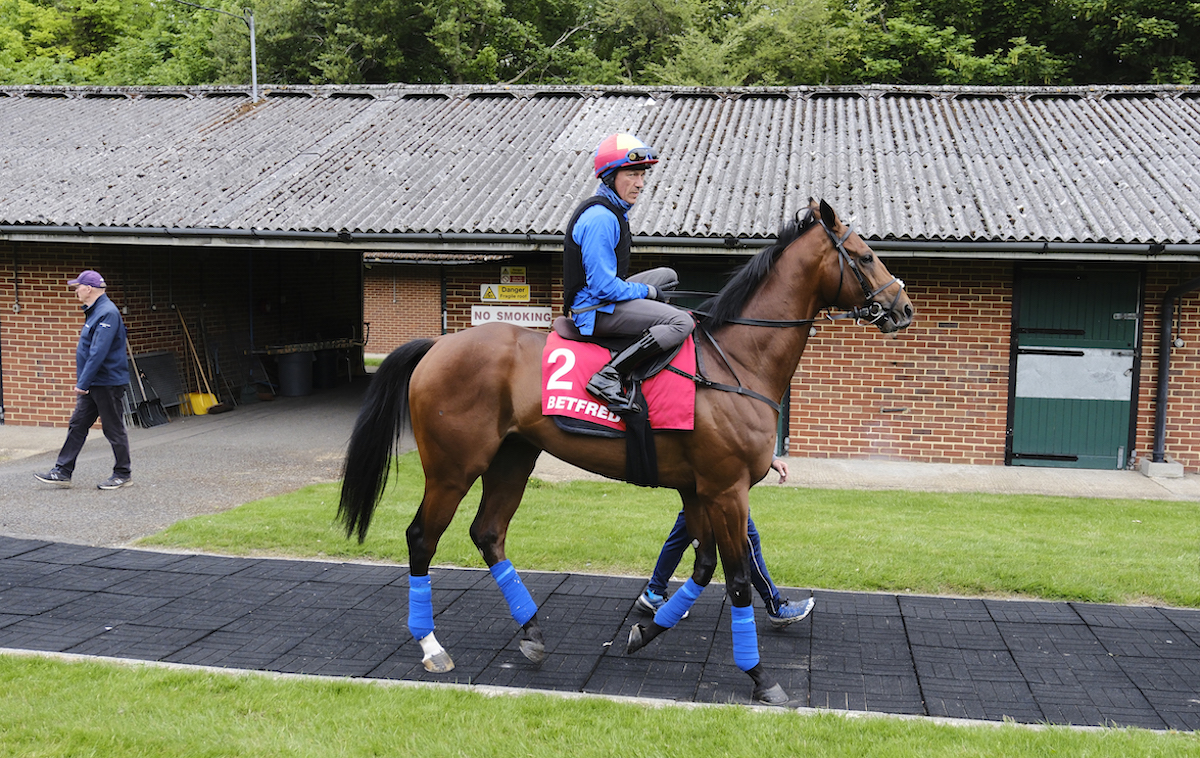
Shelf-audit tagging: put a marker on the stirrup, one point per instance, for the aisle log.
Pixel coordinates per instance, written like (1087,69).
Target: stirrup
(627,406)
(616,401)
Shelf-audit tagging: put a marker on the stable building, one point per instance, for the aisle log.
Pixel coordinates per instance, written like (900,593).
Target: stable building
(1049,238)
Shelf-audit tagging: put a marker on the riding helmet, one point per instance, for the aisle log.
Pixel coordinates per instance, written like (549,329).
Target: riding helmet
(620,150)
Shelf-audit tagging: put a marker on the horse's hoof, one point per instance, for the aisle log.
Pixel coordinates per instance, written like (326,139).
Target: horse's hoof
(438,663)
(773,695)
(636,642)
(533,650)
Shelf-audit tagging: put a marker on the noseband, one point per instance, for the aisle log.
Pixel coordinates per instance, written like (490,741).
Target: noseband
(870,311)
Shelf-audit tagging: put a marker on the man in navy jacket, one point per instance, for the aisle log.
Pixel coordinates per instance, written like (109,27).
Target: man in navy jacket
(101,374)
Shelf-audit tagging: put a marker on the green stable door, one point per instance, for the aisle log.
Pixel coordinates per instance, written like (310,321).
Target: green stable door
(1074,364)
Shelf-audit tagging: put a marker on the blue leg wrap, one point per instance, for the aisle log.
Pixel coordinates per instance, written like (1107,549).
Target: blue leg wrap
(678,604)
(420,606)
(745,637)
(520,602)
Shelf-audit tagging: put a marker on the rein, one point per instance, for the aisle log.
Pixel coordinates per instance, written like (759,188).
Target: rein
(871,312)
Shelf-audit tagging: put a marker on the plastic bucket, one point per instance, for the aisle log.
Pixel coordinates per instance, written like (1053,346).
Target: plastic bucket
(296,374)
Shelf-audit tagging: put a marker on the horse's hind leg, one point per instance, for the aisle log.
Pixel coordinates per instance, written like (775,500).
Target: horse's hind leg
(503,486)
(430,522)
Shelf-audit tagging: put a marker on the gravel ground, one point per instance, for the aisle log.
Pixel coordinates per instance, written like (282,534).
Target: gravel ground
(189,467)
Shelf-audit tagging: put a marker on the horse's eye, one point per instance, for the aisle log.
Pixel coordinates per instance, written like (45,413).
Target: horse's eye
(867,259)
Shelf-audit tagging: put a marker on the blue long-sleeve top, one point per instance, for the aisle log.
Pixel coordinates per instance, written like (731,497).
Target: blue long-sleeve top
(597,232)
(100,354)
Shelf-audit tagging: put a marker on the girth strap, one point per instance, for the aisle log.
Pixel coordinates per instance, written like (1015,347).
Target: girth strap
(705,382)
(700,379)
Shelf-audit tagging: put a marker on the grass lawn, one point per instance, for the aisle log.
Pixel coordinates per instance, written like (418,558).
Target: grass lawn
(51,708)
(1094,550)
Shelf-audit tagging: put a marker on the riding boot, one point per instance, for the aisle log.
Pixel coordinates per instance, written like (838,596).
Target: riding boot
(607,383)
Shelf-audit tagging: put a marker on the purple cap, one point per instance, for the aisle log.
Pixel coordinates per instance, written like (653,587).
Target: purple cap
(90,278)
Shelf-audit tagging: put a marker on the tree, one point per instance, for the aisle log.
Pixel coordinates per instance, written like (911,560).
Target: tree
(1154,41)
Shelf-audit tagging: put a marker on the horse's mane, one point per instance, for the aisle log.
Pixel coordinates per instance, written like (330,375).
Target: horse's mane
(728,303)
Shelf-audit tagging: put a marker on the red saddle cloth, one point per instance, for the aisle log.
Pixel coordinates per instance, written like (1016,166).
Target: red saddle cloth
(567,366)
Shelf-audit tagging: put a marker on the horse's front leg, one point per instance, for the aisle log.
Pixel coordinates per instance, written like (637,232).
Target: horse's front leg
(726,521)
(503,486)
(730,531)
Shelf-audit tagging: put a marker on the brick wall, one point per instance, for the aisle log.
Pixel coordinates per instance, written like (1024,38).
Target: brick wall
(935,392)
(1183,401)
(462,288)
(402,303)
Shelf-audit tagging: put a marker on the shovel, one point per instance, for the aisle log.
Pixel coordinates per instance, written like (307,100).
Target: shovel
(149,412)
(214,406)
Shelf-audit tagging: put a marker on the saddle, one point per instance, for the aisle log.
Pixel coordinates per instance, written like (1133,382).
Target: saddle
(565,328)
(666,397)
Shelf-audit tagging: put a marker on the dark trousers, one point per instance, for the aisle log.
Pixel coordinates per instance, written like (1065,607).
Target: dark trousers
(669,325)
(102,403)
(678,541)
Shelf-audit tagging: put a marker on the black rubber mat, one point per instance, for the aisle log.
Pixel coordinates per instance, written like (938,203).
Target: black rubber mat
(1032,662)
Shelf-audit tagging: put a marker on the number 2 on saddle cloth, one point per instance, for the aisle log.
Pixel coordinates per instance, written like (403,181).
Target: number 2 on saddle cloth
(567,366)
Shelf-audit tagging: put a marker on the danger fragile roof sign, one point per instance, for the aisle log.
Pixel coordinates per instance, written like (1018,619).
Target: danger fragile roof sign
(504,293)
(535,317)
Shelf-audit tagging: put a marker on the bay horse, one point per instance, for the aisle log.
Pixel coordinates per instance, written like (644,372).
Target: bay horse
(473,401)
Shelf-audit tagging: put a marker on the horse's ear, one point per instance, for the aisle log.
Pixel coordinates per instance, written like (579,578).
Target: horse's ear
(827,214)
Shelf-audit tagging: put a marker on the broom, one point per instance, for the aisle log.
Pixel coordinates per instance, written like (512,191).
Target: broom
(217,407)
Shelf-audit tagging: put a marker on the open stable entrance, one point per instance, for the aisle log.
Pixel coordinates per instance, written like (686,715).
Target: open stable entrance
(1073,371)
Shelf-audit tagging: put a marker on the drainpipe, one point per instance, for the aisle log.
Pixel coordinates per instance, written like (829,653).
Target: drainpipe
(1164,366)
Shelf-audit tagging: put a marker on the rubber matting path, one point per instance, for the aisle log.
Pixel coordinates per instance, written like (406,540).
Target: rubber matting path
(1032,662)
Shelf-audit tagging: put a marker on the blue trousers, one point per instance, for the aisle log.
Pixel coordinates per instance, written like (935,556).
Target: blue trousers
(679,540)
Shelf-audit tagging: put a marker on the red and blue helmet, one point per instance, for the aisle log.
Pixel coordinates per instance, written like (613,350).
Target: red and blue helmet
(617,151)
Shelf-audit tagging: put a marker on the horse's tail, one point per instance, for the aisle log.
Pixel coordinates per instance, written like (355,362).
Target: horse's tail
(375,439)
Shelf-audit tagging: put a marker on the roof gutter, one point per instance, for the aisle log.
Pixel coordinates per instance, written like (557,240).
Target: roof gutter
(1142,252)
(1164,367)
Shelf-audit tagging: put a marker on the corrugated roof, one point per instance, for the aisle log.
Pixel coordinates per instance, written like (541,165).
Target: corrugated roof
(1094,164)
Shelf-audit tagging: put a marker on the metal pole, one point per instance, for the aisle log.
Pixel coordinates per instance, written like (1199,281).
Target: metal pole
(247,18)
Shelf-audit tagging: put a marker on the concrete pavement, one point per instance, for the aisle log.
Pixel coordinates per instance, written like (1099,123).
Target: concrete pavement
(192,466)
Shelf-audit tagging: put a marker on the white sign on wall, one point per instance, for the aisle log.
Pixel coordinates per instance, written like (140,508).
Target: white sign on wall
(535,317)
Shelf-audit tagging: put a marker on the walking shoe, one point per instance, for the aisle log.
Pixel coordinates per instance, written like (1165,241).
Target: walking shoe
(650,602)
(115,482)
(54,476)
(789,612)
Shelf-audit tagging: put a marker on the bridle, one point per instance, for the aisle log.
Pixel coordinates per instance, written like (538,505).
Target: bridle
(871,311)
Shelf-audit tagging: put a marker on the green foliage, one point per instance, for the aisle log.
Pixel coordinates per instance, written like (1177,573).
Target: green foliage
(681,42)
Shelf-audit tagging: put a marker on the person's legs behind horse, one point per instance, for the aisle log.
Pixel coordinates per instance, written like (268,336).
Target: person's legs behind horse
(662,328)
(655,594)
(781,611)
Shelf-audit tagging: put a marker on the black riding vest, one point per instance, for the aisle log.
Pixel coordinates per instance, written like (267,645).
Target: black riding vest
(574,277)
